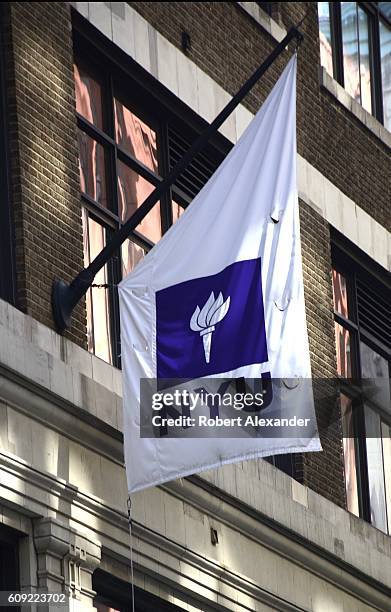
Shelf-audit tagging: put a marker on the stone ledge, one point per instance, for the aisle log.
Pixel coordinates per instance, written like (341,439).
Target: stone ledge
(264,20)
(51,362)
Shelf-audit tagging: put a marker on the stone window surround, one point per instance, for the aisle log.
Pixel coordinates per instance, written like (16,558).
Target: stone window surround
(264,20)
(326,81)
(201,93)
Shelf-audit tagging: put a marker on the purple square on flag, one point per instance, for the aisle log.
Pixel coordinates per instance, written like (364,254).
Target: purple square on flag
(212,324)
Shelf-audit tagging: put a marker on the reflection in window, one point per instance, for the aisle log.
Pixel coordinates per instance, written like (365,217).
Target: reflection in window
(375,469)
(97,299)
(326,53)
(385,9)
(342,339)
(88,97)
(350,49)
(340,294)
(349,451)
(135,136)
(92,168)
(365,71)
(131,254)
(385,53)
(133,189)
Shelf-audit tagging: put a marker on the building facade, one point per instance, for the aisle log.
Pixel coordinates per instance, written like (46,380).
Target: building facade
(99,100)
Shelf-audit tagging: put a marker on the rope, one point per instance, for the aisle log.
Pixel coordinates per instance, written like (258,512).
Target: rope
(131,552)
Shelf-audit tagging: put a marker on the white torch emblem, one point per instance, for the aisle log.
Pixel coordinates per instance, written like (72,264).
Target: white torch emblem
(204,320)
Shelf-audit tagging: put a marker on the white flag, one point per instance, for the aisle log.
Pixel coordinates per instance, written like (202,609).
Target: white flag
(221,295)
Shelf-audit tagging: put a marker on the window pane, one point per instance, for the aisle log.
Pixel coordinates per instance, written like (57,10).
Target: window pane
(98,322)
(340,294)
(342,340)
(326,53)
(177,211)
(88,95)
(349,452)
(375,469)
(133,189)
(375,368)
(135,136)
(365,71)
(385,53)
(386,435)
(131,254)
(92,168)
(350,49)
(385,9)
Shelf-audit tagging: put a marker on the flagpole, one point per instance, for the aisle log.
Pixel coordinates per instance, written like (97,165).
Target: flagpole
(66,296)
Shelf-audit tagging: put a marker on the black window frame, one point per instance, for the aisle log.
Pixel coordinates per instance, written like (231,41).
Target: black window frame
(160,109)
(355,265)
(374,17)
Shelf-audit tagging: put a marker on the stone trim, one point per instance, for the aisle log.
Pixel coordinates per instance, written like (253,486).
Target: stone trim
(76,423)
(264,20)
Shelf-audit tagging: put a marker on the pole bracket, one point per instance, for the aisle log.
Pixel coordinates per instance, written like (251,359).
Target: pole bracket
(62,311)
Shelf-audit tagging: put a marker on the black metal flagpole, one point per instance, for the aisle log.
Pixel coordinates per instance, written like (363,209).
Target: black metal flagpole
(65,297)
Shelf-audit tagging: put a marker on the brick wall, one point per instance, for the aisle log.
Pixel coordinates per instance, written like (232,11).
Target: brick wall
(43,152)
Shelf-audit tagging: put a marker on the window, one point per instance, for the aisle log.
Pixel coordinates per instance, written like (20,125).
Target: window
(114,595)
(362,297)
(266,6)
(128,141)
(9,563)
(355,49)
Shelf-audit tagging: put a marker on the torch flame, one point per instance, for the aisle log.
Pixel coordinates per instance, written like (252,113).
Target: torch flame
(204,321)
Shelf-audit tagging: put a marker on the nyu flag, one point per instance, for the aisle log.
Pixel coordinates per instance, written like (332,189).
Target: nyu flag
(235,324)
(221,295)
